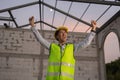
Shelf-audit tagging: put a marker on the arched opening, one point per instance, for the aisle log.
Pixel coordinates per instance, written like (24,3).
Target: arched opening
(112,56)
(111,48)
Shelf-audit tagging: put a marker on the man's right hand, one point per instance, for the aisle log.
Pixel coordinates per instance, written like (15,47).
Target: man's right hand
(31,21)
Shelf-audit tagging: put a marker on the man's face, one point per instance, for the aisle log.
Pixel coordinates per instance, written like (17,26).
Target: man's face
(62,36)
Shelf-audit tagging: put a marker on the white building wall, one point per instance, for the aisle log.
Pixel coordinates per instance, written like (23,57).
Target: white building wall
(23,58)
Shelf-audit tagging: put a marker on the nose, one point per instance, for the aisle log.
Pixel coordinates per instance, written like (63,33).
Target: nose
(64,34)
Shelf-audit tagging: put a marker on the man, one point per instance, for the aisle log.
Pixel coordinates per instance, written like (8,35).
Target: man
(61,62)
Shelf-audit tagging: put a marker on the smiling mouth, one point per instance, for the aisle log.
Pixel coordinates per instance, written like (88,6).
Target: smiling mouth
(64,37)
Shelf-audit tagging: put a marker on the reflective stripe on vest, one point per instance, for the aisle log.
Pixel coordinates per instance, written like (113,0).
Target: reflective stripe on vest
(63,63)
(58,73)
(61,67)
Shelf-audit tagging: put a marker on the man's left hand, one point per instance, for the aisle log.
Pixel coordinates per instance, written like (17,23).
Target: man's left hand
(93,25)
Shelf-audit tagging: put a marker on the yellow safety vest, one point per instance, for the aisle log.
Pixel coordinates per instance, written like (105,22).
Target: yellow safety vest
(61,63)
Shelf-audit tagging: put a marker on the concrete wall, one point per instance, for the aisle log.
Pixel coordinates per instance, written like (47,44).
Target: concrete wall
(113,25)
(23,58)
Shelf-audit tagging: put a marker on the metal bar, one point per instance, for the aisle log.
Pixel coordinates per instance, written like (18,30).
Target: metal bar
(20,6)
(42,49)
(39,22)
(43,14)
(40,14)
(85,11)
(33,3)
(81,17)
(87,29)
(28,24)
(67,12)
(6,19)
(48,24)
(100,17)
(109,21)
(96,2)
(104,12)
(13,18)
(54,13)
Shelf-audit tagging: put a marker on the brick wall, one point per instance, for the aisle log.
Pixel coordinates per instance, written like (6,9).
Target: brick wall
(23,58)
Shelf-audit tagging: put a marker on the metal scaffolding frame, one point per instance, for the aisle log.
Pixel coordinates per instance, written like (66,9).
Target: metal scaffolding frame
(54,13)
(67,12)
(6,18)
(103,2)
(42,22)
(41,11)
(81,16)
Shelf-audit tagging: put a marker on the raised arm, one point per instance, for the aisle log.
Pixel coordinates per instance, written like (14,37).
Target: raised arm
(38,36)
(87,41)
